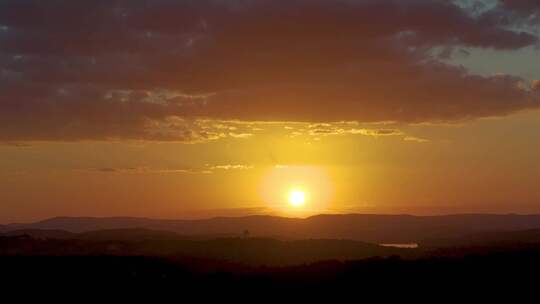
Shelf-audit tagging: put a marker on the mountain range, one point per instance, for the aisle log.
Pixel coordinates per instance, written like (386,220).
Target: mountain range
(359,227)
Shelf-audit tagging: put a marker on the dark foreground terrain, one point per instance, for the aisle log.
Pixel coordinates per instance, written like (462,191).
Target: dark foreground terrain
(457,256)
(235,266)
(495,270)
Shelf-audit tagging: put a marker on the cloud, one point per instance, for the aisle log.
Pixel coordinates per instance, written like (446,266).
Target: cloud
(376,132)
(207,169)
(520,4)
(525,10)
(535,85)
(240,135)
(343,128)
(231,167)
(416,139)
(150,170)
(15,144)
(77,70)
(111,170)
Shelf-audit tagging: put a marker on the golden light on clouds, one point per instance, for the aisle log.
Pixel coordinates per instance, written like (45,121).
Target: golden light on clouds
(297,190)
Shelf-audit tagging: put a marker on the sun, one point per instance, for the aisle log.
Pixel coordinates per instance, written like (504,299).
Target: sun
(297,198)
(295,190)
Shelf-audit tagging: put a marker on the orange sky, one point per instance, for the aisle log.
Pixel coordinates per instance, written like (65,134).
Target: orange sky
(482,166)
(186,110)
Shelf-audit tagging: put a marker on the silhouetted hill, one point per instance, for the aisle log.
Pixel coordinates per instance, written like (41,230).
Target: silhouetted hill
(252,251)
(42,233)
(428,277)
(124,234)
(503,238)
(129,234)
(146,257)
(369,228)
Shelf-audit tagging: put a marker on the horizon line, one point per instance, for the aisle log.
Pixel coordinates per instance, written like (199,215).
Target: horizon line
(269,215)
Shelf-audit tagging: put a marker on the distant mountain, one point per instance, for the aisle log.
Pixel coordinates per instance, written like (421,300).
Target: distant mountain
(360,227)
(128,234)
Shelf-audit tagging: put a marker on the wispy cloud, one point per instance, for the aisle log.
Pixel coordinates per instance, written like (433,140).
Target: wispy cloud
(240,135)
(344,128)
(416,139)
(206,169)
(15,144)
(231,167)
(150,170)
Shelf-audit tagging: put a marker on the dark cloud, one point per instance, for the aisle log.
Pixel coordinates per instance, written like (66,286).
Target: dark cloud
(143,69)
(525,13)
(528,6)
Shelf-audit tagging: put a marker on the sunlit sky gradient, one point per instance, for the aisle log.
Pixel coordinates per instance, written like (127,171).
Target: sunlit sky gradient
(189,109)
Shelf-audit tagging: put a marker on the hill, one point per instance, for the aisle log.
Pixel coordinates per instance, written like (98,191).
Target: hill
(41,233)
(501,238)
(252,251)
(360,227)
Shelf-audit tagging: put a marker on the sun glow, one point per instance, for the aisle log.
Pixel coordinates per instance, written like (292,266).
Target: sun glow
(297,190)
(297,198)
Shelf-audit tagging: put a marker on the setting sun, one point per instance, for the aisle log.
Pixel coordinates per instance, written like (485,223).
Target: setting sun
(297,190)
(297,198)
